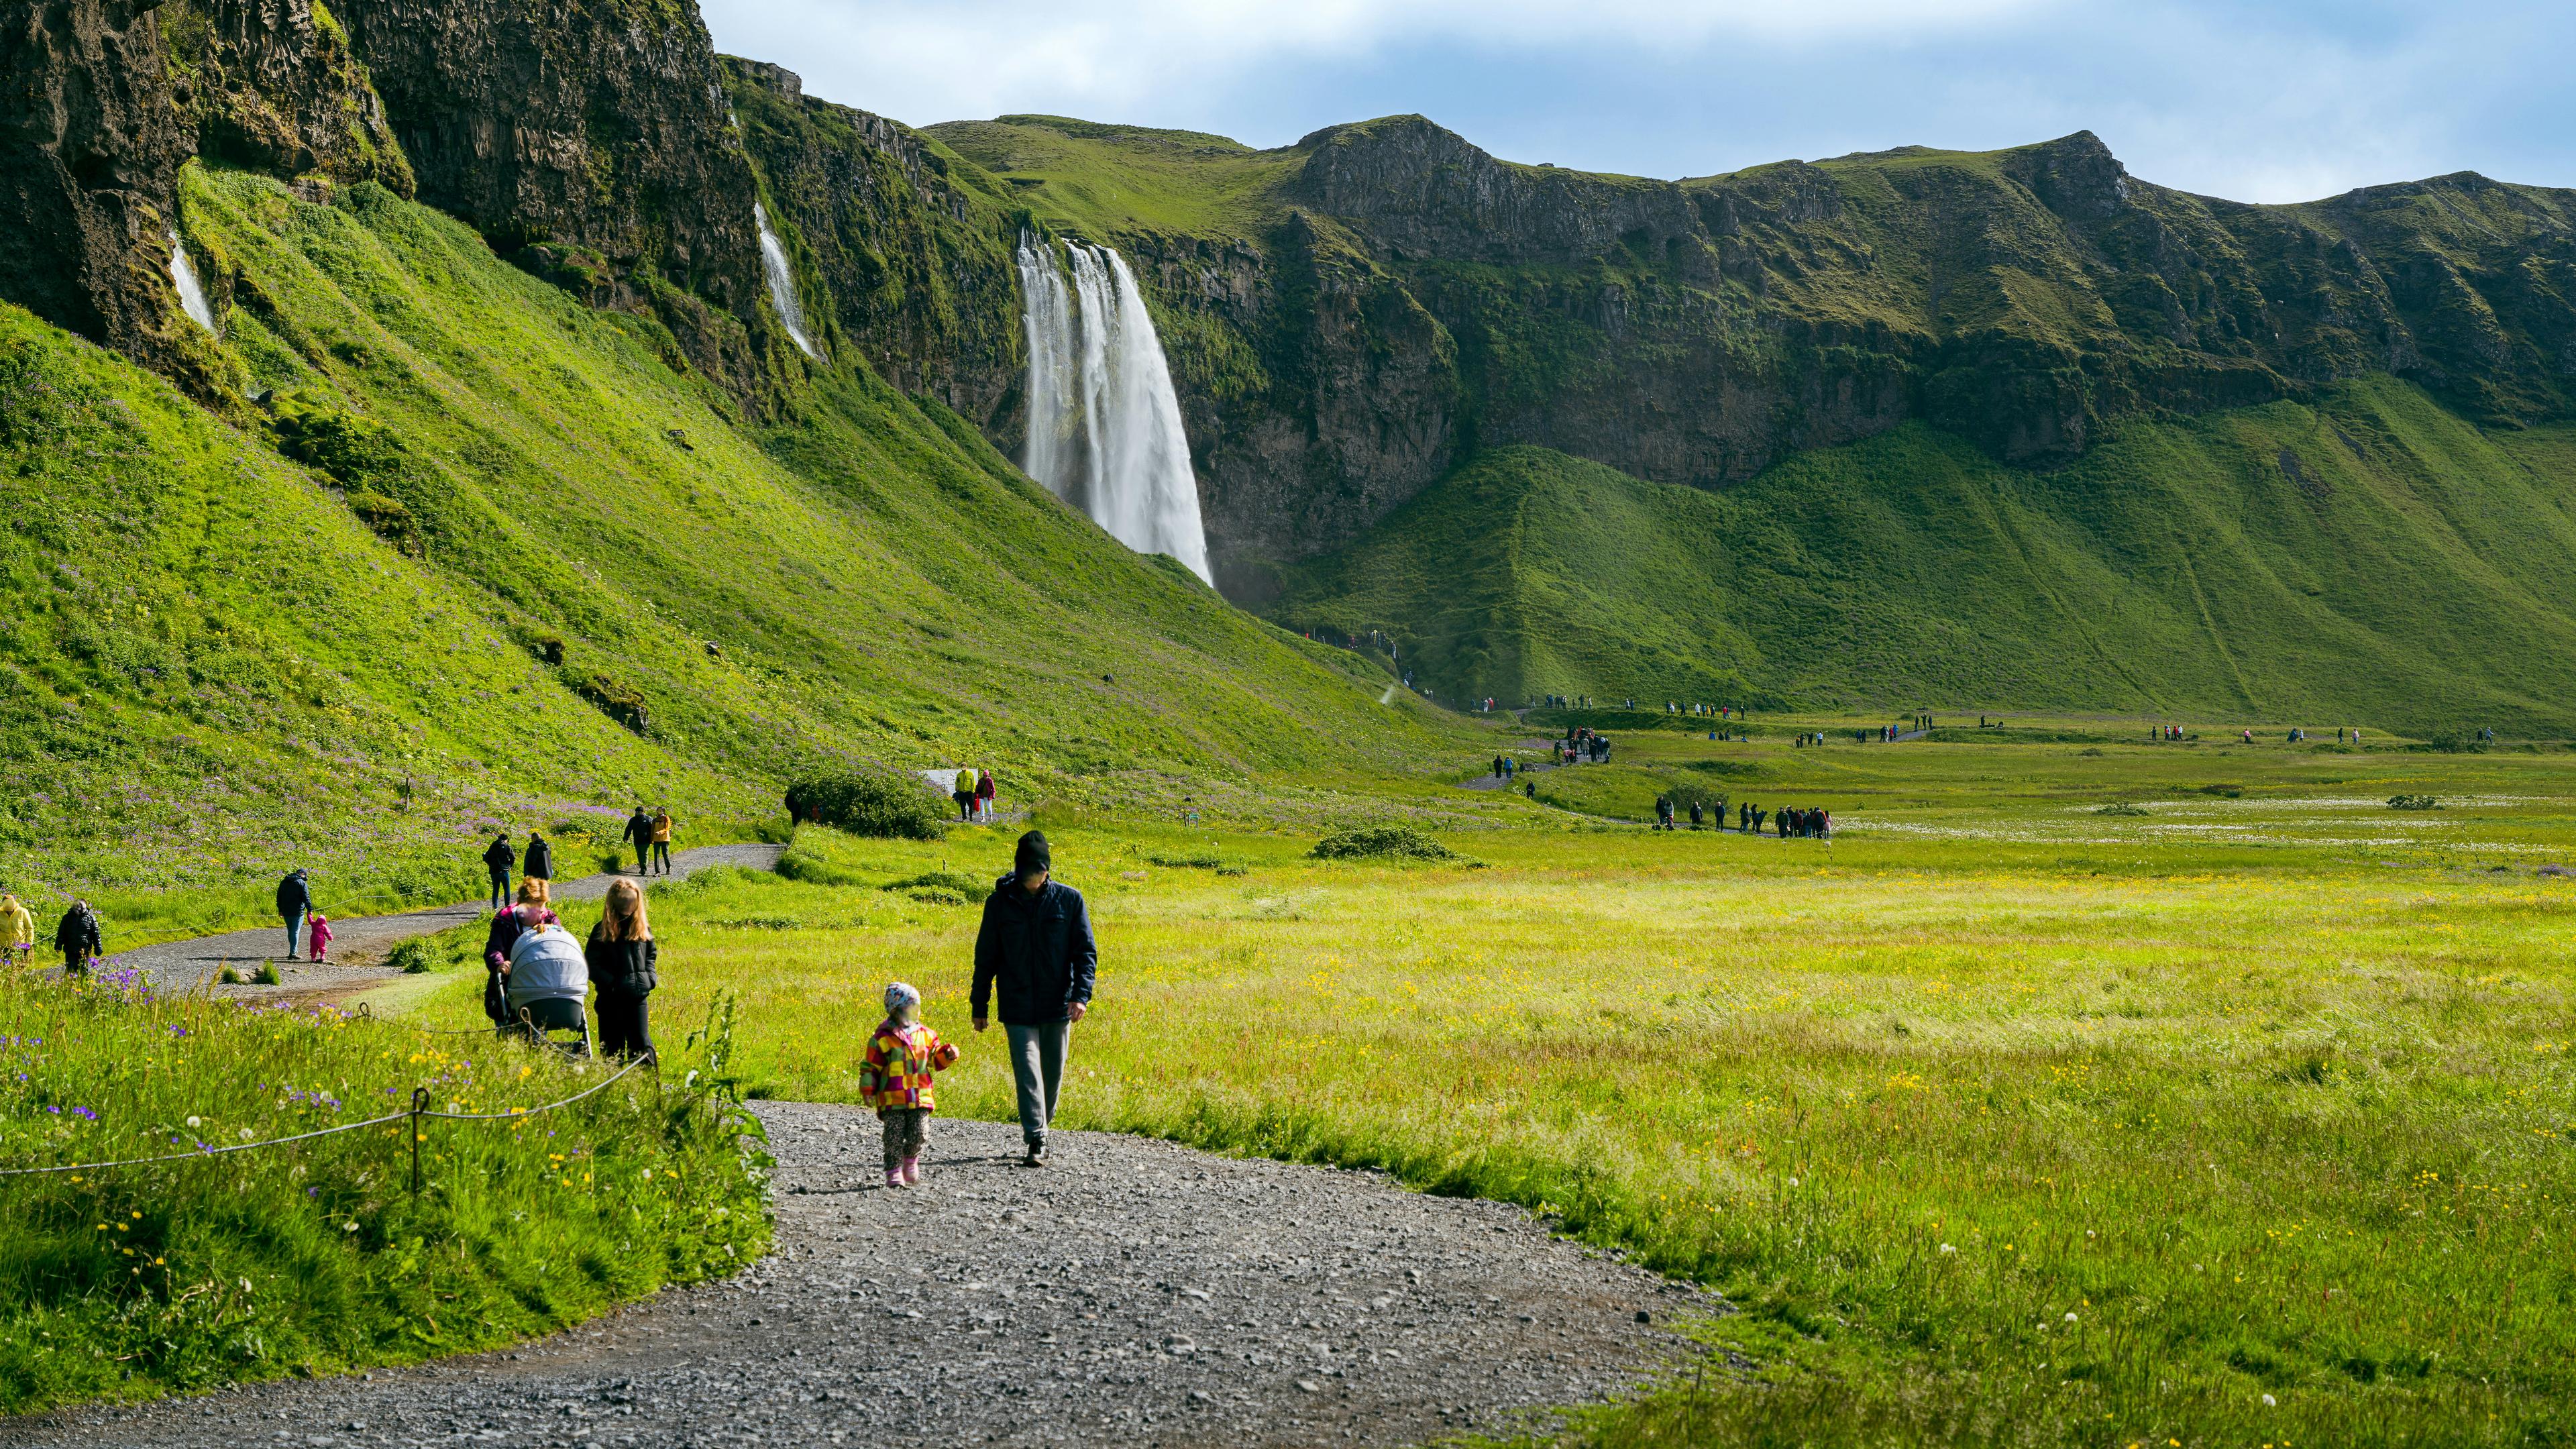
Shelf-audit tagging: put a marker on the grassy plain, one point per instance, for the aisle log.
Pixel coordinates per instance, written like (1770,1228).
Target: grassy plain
(2002,1120)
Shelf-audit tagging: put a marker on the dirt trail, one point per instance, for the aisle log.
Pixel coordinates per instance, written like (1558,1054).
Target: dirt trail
(1130,1293)
(359,945)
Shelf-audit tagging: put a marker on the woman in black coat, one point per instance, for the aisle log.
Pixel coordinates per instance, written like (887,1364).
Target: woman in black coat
(621,955)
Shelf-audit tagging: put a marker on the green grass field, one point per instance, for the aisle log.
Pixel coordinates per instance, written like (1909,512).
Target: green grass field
(2002,1120)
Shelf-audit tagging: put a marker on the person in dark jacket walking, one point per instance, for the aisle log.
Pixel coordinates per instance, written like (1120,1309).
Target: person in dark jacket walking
(1036,945)
(621,954)
(294,903)
(639,833)
(79,938)
(539,862)
(498,857)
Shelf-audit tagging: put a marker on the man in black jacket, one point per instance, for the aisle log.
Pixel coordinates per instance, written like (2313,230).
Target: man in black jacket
(78,938)
(498,857)
(540,861)
(1036,942)
(294,903)
(639,829)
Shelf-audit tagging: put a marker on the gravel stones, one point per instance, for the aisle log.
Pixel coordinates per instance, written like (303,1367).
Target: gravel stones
(1132,1292)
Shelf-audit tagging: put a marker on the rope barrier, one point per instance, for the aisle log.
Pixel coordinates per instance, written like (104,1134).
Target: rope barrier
(417,1112)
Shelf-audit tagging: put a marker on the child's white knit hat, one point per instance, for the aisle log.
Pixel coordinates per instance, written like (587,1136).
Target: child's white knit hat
(900,998)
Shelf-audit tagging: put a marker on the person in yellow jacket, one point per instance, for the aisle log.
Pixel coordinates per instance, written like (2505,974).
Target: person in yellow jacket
(17,930)
(963,792)
(662,842)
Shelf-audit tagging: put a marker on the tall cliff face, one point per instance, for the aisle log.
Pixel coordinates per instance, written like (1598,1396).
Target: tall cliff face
(901,255)
(590,139)
(271,85)
(1351,315)
(90,148)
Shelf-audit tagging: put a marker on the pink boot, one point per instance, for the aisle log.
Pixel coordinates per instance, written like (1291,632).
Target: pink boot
(894,1177)
(912,1172)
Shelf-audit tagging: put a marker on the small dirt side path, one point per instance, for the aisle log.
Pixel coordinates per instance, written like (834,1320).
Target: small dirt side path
(1131,1293)
(359,945)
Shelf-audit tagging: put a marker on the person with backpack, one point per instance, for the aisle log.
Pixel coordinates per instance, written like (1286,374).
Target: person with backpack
(79,938)
(498,858)
(539,863)
(963,792)
(986,795)
(294,903)
(639,833)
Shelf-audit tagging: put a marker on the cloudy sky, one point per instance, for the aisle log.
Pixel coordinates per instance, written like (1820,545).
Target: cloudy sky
(2261,102)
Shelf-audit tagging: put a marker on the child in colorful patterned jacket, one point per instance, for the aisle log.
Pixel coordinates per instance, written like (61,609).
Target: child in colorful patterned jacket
(895,1079)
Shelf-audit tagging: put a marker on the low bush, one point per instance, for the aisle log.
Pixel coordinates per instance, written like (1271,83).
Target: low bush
(870,802)
(943,887)
(1382,842)
(316,1256)
(2413,802)
(2119,809)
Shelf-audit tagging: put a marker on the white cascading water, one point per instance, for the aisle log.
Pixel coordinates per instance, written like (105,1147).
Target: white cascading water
(192,298)
(1104,424)
(782,282)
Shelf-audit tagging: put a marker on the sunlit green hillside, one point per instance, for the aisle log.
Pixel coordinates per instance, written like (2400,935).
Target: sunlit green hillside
(478,554)
(2373,558)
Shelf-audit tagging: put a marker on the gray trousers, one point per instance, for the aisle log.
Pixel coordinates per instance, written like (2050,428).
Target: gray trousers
(1037,1066)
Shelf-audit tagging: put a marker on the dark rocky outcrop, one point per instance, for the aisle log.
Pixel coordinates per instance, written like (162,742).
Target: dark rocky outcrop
(589,137)
(90,148)
(900,257)
(271,85)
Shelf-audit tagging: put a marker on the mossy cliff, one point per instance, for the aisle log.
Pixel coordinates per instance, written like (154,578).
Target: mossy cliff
(1358,312)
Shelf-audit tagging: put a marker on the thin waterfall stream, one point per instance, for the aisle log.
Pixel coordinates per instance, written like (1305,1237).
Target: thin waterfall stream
(1104,423)
(782,282)
(192,297)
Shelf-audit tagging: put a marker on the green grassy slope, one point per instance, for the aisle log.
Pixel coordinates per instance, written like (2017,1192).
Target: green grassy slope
(221,660)
(2359,561)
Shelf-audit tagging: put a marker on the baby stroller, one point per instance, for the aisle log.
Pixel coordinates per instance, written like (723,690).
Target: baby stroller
(547,982)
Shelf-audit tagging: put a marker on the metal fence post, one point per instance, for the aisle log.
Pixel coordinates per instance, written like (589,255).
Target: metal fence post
(419,1104)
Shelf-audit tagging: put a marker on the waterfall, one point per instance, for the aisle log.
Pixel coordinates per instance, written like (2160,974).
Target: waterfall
(192,298)
(1104,424)
(782,283)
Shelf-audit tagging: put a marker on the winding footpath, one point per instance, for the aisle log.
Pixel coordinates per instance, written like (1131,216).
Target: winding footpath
(1131,1293)
(358,945)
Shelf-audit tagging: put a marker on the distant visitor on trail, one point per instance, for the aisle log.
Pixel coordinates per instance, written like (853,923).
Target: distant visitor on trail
(317,935)
(894,1078)
(1036,945)
(662,842)
(498,859)
(963,792)
(17,930)
(639,833)
(79,938)
(294,903)
(539,862)
(986,792)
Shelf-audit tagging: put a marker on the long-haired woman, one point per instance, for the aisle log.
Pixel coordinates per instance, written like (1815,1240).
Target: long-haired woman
(621,954)
(531,910)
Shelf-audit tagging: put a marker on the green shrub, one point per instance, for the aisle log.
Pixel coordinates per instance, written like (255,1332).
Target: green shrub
(2119,809)
(870,802)
(2413,802)
(267,975)
(1382,842)
(945,885)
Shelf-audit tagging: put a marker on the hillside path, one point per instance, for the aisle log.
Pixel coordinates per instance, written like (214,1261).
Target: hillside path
(358,945)
(1131,1293)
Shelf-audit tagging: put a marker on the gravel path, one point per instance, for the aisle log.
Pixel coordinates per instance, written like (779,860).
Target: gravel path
(358,945)
(1131,1293)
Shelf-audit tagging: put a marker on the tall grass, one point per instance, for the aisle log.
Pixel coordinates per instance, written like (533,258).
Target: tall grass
(318,1255)
(1987,1149)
